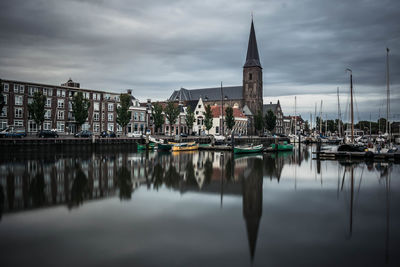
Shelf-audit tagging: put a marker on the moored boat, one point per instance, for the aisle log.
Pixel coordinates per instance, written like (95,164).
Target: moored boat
(164,147)
(280,147)
(185,146)
(248,149)
(143,146)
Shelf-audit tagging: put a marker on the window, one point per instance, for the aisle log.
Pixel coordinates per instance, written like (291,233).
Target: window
(110,127)
(47,125)
(32,126)
(96,116)
(142,116)
(18,100)
(47,114)
(18,123)
(110,117)
(21,89)
(6,87)
(3,124)
(50,91)
(60,114)
(16,88)
(4,112)
(199,106)
(60,126)
(5,99)
(250,76)
(60,103)
(197,113)
(48,102)
(110,107)
(119,128)
(102,116)
(31,90)
(96,127)
(135,116)
(96,106)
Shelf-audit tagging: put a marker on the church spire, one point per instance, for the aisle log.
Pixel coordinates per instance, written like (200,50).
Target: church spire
(252,59)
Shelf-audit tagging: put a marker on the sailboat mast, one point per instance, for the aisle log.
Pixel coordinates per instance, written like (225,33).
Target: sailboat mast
(315,116)
(295,116)
(320,119)
(387,93)
(351,105)
(339,115)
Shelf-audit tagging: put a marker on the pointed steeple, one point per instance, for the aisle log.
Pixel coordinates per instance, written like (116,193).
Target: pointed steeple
(252,59)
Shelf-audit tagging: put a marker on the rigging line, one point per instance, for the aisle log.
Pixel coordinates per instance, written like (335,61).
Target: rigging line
(355,100)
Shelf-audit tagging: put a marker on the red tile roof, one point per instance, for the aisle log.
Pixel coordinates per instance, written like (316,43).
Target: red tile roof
(216,111)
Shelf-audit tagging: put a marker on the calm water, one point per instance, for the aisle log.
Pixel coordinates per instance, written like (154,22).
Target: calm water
(118,208)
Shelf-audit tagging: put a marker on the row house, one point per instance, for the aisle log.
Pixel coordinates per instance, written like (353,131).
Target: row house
(59,116)
(277,110)
(139,118)
(219,125)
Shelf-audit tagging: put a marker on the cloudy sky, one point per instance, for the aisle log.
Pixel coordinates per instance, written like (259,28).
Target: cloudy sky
(155,47)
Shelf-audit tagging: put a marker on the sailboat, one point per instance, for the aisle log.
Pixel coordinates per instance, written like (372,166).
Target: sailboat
(379,141)
(351,146)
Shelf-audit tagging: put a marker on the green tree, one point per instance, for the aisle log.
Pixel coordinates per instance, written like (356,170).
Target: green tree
(123,113)
(189,117)
(229,118)
(158,117)
(208,118)
(36,108)
(258,121)
(80,108)
(171,112)
(270,120)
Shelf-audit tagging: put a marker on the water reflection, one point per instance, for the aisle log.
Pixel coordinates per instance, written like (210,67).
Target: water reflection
(61,179)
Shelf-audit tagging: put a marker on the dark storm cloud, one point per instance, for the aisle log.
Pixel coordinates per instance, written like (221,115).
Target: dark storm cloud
(157,46)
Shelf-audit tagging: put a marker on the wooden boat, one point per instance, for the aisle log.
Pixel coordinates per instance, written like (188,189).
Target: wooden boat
(143,146)
(164,147)
(248,149)
(185,146)
(281,147)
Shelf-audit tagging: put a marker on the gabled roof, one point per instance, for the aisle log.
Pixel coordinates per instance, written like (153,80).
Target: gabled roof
(216,112)
(212,94)
(252,59)
(247,111)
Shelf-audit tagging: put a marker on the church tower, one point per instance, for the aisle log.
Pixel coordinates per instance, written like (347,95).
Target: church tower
(252,76)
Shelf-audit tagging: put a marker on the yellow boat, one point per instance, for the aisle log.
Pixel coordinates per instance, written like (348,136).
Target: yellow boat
(185,146)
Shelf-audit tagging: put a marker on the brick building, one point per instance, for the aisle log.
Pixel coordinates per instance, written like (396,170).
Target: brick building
(59,116)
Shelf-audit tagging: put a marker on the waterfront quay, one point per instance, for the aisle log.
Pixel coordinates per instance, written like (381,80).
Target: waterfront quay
(68,140)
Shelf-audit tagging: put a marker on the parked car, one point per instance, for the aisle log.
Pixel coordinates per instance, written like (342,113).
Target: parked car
(85,133)
(136,134)
(184,135)
(15,132)
(47,133)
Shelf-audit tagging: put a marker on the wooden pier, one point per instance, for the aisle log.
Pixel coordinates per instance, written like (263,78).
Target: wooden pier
(356,155)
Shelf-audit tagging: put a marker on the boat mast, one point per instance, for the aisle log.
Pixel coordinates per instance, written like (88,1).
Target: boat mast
(295,117)
(326,124)
(315,116)
(339,115)
(351,105)
(320,119)
(387,94)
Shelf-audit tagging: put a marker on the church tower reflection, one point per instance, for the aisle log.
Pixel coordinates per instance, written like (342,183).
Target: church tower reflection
(252,181)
